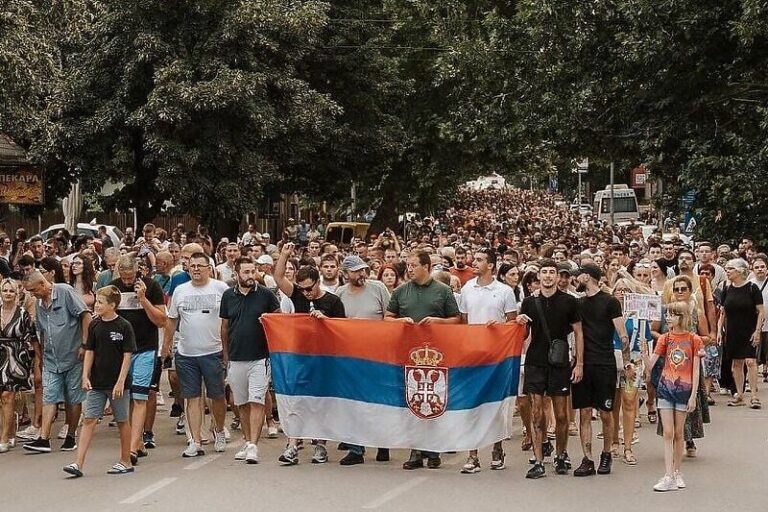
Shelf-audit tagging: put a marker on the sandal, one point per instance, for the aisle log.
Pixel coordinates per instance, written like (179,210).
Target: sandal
(629,458)
(736,402)
(119,469)
(755,403)
(710,400)
(652,416)
(73,469)
(527,444)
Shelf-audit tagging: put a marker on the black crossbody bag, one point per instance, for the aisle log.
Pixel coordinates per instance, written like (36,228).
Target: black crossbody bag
(558,354)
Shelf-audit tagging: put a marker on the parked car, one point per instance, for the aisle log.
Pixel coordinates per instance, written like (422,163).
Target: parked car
(83,228)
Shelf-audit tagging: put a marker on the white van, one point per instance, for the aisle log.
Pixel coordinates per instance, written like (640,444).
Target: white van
(624,204)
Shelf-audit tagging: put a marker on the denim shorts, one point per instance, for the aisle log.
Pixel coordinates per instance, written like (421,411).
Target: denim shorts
(142,370)
(193,371)
(64,387)
(97,400)
(666,404)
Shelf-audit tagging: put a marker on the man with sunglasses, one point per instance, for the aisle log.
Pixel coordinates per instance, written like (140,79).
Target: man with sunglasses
(307,297)
(194,310)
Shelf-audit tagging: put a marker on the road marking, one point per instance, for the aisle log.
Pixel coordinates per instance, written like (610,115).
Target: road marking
(395,492)
(148,490)
(202,462)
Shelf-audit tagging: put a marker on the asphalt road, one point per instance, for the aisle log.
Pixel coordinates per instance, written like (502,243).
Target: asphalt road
(728,474)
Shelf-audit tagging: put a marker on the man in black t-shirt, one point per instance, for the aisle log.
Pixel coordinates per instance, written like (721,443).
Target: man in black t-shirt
(561,314)
(246,351)
(307,297)
(143,305)
(600,317)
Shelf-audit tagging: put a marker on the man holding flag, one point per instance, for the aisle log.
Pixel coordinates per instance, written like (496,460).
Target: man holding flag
(422,300)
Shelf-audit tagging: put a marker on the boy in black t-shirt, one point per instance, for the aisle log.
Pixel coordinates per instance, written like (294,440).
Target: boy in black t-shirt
(105,377)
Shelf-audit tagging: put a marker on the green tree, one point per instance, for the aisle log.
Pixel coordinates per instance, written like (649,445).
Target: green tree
(195,103)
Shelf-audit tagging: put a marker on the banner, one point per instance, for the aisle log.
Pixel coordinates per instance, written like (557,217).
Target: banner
(393,385)
(21,185)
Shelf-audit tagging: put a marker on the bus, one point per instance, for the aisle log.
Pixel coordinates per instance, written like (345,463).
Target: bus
(624,204)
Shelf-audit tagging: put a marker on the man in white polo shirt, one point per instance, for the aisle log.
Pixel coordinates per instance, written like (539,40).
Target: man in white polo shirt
(485,300)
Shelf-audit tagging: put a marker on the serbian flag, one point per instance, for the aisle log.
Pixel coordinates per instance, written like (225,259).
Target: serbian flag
(393,385)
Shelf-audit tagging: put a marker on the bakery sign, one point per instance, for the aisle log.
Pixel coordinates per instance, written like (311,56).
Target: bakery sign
(21,185)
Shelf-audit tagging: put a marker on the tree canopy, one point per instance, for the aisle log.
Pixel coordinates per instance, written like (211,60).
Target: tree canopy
(200,105)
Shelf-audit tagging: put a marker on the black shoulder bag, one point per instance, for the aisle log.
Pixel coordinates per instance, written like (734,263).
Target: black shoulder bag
(558,355)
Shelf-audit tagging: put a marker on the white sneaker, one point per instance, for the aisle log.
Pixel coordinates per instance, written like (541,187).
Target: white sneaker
(12,443)
(63,432)
(193,450)
(30,433)
(160,398)
(321,454)
(227,434)
(240,455)
(272,433)
(252,455)
(219,441)
(667,483)
(4,447)
(679,480)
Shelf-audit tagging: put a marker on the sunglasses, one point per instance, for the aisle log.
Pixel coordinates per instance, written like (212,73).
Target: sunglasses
(680,290)
(305,289)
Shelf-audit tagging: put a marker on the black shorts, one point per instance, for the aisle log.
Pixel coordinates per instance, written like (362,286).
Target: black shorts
(546,380)
(597,388)
(762,354)
(156,373)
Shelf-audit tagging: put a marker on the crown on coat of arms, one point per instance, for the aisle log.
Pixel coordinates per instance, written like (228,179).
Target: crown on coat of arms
(426,356)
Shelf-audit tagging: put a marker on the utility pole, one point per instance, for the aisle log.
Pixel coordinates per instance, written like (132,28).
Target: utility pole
(613,222)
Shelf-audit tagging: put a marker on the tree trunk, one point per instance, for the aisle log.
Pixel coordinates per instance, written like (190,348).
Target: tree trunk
(386,213)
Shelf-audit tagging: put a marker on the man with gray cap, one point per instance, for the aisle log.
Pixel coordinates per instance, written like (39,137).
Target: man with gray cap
(600,316)
(362,299)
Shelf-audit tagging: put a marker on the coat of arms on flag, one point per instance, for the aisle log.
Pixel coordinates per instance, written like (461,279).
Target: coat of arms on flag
(426,383)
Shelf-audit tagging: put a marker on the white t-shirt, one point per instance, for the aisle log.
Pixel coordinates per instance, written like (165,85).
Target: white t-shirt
(197,308)
(484,303)
(226,273)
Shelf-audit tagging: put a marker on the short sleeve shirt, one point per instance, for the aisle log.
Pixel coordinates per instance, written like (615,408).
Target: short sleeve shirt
(482,304)
(197,308)
(418,301)
(59,328)
(678,350)
(561,311)
(597,315)
(130,308)
(247,341)
(109,341)
(370,303)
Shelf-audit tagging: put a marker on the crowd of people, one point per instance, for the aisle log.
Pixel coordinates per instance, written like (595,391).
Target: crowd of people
(90,330)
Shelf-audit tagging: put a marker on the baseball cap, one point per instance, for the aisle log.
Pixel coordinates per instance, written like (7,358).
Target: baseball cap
(592,270)
(564,268)
(353,263)
(265,259)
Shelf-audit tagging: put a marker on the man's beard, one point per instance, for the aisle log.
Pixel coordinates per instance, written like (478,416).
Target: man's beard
(460,265)
(581,287)
(248,283)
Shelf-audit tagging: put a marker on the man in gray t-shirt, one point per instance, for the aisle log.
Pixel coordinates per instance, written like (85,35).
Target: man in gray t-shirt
(368,300)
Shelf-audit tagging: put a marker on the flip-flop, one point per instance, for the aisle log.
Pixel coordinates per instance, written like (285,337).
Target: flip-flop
(73,469)
(119,469)
(629,460)
(755,404)
(652,416)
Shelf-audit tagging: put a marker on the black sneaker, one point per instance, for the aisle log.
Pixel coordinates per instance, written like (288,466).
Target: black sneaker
(434,462)
(561,468)
(342,447)
(605,463)
(39,445)
(587,468)
(536,471)
(149,440)
(414,463)
(382,455)
(351,459)
(547,449)
(69,444)
(567,459)
(176,410)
